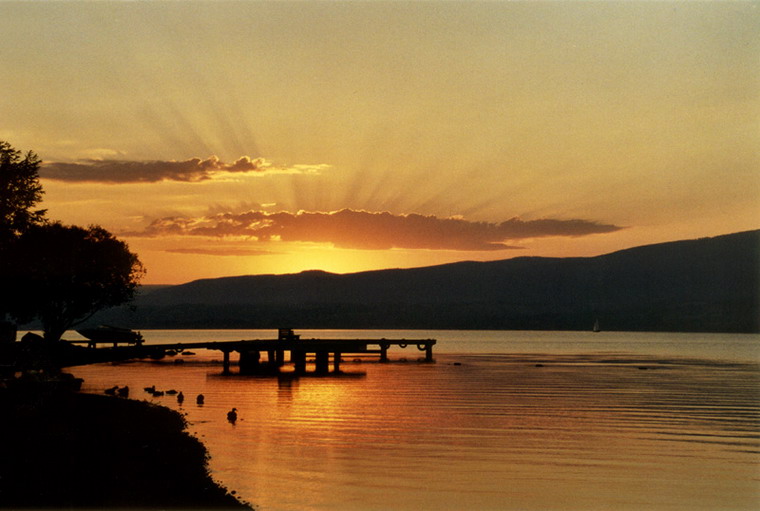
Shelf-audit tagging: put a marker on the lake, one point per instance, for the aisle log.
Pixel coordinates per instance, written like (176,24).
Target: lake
(502,420)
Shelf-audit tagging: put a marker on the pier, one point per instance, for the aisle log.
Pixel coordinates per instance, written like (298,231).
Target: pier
(290,348)
(267,356)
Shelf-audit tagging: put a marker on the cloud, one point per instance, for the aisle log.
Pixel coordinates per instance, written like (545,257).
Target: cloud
(191,171)
(224,251)
(373,231)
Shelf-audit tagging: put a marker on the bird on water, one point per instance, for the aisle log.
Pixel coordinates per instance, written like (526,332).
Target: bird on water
(232,415)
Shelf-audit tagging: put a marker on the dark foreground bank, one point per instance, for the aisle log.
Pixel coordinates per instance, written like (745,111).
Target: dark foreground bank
(68,450)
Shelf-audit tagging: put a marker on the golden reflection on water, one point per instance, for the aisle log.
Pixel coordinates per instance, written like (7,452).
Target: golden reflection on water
(529,432)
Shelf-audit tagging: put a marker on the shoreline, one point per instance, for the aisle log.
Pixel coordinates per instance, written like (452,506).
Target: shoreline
(66,449)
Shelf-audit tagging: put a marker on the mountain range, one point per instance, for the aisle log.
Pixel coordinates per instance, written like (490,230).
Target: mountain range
(707,285)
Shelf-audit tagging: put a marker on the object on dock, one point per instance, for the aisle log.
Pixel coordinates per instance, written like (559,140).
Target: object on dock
(110,334)
(286,334)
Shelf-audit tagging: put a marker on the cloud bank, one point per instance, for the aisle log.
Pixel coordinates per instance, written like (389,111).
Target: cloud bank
(372,231)
(190,171)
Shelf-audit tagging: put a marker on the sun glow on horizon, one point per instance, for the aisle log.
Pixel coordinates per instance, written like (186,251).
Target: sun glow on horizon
(363,135)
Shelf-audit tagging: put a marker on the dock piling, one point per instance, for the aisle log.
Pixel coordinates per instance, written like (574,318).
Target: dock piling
(249,361)
(226,362)
(384,352)
(299,361)
(323,362)
(427,347)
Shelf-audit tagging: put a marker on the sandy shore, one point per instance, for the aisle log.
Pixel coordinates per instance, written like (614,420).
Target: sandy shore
(70,450)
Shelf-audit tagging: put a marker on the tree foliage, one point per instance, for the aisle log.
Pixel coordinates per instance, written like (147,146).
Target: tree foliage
(67,273)
(20,191)
(59,274)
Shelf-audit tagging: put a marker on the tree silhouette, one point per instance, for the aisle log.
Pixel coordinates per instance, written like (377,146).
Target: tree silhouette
(68,273)
(20,191)
(59,274)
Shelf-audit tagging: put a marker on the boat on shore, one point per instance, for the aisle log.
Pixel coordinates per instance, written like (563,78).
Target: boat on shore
(107,333)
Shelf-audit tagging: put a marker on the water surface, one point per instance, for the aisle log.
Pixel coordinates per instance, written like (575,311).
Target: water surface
(503,420)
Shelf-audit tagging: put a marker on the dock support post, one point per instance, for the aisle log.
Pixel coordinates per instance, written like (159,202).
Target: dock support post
(428,352)
(384,352)
(323,362)
(249,361)
(279,358)
(336,361)
(226,363)
(299,360)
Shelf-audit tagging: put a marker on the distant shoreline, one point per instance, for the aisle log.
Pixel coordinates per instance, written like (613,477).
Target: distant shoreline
(71,450)
(699,286)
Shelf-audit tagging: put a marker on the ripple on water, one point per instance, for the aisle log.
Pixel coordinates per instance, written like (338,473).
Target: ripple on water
(496,431)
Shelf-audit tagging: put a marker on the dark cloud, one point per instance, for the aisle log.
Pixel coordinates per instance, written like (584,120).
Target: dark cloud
(191,171)
(366,230)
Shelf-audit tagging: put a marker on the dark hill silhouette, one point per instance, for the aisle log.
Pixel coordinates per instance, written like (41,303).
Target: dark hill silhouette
(709,284)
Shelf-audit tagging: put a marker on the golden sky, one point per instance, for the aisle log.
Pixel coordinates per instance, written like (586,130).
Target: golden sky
(239,137)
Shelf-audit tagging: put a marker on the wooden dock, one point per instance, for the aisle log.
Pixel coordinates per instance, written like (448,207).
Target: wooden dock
(90,343)
(267,356)
(296,352)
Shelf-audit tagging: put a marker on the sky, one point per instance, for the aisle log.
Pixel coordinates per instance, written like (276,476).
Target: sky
(223,138)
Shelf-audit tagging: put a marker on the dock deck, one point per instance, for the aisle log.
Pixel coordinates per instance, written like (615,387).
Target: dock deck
(322,350)
(296,351)
(289,348)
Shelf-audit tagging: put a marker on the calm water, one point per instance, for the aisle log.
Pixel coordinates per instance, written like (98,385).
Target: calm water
(503,420)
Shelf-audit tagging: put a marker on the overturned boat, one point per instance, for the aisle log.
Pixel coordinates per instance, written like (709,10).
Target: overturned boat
(107,333)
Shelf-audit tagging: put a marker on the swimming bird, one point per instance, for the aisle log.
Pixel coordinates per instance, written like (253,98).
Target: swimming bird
(200,399)
(232,415)
(112,390)
(150,390)
(124,391)
(180,397)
